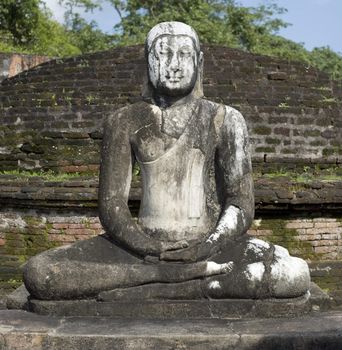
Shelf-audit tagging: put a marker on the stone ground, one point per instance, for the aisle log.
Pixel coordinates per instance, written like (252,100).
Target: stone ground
(22,330)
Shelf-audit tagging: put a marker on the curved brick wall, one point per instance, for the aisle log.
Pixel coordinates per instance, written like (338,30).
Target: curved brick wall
(12,64)
(51,115)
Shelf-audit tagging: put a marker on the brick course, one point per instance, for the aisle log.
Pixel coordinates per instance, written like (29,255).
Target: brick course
(51,115)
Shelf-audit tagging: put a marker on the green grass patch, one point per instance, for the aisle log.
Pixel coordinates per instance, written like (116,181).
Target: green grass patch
(46,175)
(306,175)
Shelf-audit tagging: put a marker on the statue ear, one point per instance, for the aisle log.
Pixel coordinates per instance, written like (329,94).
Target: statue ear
(200,59)
(198,88)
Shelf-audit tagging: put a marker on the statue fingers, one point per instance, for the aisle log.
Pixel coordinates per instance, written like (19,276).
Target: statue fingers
(175,245)
(184,255)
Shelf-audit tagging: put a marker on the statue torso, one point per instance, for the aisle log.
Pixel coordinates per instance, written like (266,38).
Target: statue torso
(173,149)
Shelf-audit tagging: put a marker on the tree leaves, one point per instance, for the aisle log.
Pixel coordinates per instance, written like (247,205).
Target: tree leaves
(27,26)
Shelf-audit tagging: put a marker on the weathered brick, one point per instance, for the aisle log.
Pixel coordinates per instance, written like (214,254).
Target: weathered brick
(272,141)
(62,225)
(314,231)
(262,130)
(324,249)
(299,224)
(265,149)
(326,224)
(82,237)
(282,131)
(79,231)
(264,232)
(330,236)
(61,238)
(324,220)
(322,242)
(304,237)
(77,226)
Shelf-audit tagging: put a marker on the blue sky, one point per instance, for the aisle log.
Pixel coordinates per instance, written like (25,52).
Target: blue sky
(314,22)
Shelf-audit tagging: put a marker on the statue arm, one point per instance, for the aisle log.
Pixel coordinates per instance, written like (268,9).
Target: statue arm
(115,181)
(235,190)
(235,181)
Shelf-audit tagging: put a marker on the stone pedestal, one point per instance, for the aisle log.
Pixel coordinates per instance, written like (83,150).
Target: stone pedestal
(314,300)
(179,309)
(22,330)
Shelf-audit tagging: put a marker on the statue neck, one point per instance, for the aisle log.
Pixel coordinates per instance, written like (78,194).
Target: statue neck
(165,101)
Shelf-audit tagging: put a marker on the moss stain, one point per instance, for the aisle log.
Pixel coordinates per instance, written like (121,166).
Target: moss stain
(287,238)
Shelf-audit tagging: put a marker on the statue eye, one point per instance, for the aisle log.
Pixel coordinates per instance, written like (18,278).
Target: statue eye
(185,53)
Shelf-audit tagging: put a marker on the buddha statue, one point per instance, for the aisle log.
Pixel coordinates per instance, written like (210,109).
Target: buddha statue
(189,241)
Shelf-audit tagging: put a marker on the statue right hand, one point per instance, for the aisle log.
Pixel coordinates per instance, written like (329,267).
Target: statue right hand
(157,248)
(167,246)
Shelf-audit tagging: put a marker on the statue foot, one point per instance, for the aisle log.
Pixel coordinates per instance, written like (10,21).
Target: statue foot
(189,290)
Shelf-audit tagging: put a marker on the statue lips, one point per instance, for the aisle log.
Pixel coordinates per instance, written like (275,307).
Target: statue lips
(174,78)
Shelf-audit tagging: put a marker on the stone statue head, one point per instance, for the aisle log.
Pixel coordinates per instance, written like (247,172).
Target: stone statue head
(174,58)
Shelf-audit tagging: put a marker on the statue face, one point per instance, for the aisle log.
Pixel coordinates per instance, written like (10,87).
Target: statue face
(172,63)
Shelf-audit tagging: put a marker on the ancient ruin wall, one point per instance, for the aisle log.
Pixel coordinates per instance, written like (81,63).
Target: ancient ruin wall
(12,64)
(51,115)
(51,118)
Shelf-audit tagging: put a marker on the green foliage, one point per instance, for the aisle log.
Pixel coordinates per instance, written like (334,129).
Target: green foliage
(18,19)
(27,26)
(223,22)
(327,60)
(87,37)
(216,21)
(138,17)
(251,25)
(45,175)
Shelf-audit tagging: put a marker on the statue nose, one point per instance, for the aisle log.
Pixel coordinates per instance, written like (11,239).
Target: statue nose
(174,64)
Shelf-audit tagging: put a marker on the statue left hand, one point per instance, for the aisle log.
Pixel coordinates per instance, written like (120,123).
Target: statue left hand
(194,253)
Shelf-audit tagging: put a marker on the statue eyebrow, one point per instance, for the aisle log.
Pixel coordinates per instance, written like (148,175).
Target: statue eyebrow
(186,47)
(164,46)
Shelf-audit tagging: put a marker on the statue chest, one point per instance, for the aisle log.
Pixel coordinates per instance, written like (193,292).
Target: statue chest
(165,130)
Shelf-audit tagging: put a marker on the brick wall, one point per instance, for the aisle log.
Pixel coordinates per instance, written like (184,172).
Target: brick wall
(51,115)
(308,236)
(12,64)
(26,232)
(51,118)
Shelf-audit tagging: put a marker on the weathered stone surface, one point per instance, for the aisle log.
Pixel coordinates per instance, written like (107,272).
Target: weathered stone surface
(189,241)
(25,331)
(317,300)
(18,299)
(187,309)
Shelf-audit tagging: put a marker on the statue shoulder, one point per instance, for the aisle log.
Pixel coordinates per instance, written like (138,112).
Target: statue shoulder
(233,118)
(125,115)
(226,118)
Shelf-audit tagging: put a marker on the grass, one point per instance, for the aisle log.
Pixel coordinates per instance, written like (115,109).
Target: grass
(306,176)
(46,175)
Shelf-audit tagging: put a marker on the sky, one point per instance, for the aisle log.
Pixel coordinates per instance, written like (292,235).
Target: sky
(315,23)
